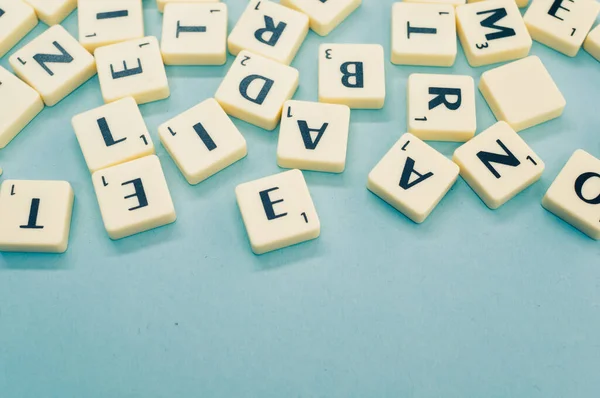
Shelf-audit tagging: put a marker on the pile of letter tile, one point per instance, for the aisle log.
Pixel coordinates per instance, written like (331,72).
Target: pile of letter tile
(277,210)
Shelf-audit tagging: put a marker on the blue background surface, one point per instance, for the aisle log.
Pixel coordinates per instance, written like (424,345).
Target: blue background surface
(473,303)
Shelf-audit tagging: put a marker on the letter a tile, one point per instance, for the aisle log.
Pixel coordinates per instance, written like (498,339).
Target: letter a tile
(269,29)
(492,31)
(498,164)
(278,211)
(413,177)
(575,194)
(132,68)
(133,197)
(54,64)
(352,74)
(36,216)
(255,89)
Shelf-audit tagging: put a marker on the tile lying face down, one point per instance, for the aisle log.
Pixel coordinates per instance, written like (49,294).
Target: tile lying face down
(324,15)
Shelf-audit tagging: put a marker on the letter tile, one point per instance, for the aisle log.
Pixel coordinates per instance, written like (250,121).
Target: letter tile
(16,20)
(54,64)
(19,104)
(522,93)
(498,164)
(413,177)
(36,216)
(109,21)
(441,107)
(561,24)
(112,134)
(161,4)
(269,29)
(324,15)
(132,68)
(352,74)
(194,34)
(574,195)
(592,43)
(423,34)
(133,197)
(278,211)
(313,136)
(520,3)
(492,31)
(52,12)
(454,3)
(255,89)
(202,140)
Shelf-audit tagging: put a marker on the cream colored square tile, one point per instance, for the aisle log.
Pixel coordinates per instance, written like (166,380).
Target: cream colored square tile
(52,12)
(574,195)
(423,34)
(561,24)
(441,107)
(522,93)
(109,21)
(520,3)
(36,216)
(413,177)
(112,134)
(19,104)
(498,164)
(278,211)
(255,89)
(16,20)
(162,3)
(454,3)
(54,64)
(324,15)
(313,136)
(132,68)
(269,29)
(492,31)
(352,74)
(202,141)
(133,197)
(592,43)
(194,34)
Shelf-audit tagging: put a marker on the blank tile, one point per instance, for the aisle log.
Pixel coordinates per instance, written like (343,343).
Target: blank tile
(423,34)
(16,20)
(54,64)
(352,75)
(522,93)
(324,15)
(519,3)
(132,68)
(269,29)
(313,136)
(278,211)
(574,195)
(492,31)
(112,134)
(109,21)
(454,3)
(19,104)
(413,177)
(592,43)
(202,141)
(162,3)
(561,24)
(36,216)
(133,197)
(194,34)
(441,107)
(255,89)
(52,12)
(498,164)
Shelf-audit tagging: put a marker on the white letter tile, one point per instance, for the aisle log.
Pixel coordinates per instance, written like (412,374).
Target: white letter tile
(16,20)
(161,4)
(52,12)
(324,15)
(592,43)
(278,211)
(202,141)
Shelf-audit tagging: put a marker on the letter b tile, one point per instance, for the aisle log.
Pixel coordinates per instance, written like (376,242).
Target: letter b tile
(277,211)
(133,197)
(255,89)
